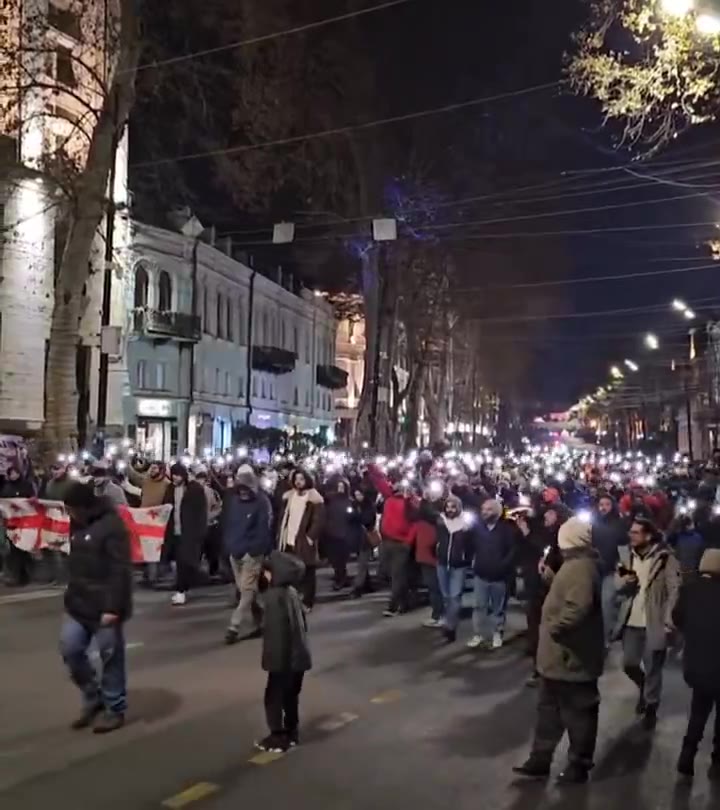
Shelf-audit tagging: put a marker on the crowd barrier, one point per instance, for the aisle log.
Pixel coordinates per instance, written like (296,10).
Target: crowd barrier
(32,525)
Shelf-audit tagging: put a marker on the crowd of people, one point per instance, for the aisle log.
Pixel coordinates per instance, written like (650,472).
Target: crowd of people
(608,547)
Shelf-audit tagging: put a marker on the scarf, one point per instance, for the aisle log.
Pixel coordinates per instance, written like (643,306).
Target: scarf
(292,519)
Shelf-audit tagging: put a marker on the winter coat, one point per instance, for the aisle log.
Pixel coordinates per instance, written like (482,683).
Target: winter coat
(531,549)
(398,511)
(424,534)
(22,488)
(246,525)
(111,492)
(609,532)
(285,643)
(455,550)
(362,519)
(310,529)
(152,490)
(572,641)
(494,550)
(660,597)
(696,616)
(688,548)
(100,568)
(337,517)
(193,522)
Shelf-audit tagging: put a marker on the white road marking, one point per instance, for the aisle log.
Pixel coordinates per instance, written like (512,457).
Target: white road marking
(32,596)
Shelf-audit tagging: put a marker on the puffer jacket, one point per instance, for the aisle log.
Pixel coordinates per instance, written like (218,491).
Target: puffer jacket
(572,640)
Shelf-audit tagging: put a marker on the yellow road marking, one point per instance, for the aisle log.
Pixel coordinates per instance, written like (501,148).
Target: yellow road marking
(193,794)
(387,697)
(336,723)
(265,757)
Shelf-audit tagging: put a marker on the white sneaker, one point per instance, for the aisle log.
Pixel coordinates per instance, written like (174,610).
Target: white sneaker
(178,599)
(497,641)
(475,642)
(432,623)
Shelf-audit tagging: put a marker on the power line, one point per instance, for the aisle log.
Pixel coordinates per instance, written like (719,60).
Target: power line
(298,29)
(329,133)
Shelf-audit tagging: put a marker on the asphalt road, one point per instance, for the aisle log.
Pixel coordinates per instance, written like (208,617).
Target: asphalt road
(391,719)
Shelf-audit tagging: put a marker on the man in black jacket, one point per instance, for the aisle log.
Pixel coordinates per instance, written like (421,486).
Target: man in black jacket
(98,601)
(609,532)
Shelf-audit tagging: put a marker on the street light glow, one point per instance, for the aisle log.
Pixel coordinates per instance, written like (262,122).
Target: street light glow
(651,341)
(679,306)
(616,373)
(708,24)
(689,314)
(678,8)
(632,365)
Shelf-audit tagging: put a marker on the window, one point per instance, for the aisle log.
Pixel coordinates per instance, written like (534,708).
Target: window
(227,383)
(142,283)
(296,340)
(241,387)
(241,324)
(262,388)
(220,316)
(64,73)
(296,399)
(307,398)
(266,329)
(256,330)
(307,347)
(141,375)
(230,330)
(164,292)
(272,390)
(254,385)
(317,399)
(64,20)
(217,381)
(282,333)
(160,376)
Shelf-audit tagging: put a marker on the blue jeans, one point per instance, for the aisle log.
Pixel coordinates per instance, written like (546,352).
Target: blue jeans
(490,603)
(111,690)
(609,605)
(452,584)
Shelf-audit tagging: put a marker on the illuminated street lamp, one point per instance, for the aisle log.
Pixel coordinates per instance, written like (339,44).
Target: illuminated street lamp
(651,341)
(678,305)
(616,373)
(632,365)
(689,314)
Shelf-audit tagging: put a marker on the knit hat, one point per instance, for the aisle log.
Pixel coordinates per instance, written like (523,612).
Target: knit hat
(454,499)
(247,479)
(574,533)
(710,562)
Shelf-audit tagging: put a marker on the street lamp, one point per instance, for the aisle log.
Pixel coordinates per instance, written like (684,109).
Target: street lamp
(633,366)
(651,341)
(678,305)
(616,373)
(689,314)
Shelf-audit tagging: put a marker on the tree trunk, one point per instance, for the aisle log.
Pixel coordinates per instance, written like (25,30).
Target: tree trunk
(60,432)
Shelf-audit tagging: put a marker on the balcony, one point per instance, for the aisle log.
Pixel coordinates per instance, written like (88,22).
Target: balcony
(157,325)
(273,360)
(331,377)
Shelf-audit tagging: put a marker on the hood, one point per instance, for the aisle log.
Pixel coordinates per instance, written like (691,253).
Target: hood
(574,533)
(313,496)
(247,478)
(710,563)
(286,569)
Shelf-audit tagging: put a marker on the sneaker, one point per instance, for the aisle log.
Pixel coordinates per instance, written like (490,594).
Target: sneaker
(574,774)
(178,599)
(390,614)
(89,713)
(273,744)
(432,624)
(533,769)
(533,681)
(475,642)
(497,641)
(109,722)
(293,738)
(231,636)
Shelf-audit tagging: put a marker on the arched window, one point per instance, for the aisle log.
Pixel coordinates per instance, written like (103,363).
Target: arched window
(142,283)
(230,331)
(164,292)
(220,315)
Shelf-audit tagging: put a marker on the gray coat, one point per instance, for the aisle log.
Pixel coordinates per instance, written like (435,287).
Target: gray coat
(661,597)
(571,645)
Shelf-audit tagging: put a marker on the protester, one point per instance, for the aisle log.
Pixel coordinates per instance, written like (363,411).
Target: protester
(246,529)
(688,545)
(495,540)
(455,549)
(424,537)
(98,602)
(18,563)
(185,530)
(300,525)
(570,659)
(153,484)
(212,543)
(696,616)
(609,533)
(58,484)
(363,520)
(105,487)
(649,589)
(285,654)
(336,536)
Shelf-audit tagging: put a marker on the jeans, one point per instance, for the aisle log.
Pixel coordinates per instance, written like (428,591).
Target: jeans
(452,585)
(644,667)
(362,577)
(564,706)
(490,603)
(111,690)
(609,605)
(430,580)
(282,701)
(245,617)
(700,711)
(398,557)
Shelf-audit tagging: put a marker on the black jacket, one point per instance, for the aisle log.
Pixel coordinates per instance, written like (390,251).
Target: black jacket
(285,644)
(100,568)
(456,550)
(696,616)
(22,488)
(193,522)
(494,552)
(609,532)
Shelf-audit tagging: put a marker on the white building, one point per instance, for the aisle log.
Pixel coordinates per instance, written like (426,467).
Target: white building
(283,383)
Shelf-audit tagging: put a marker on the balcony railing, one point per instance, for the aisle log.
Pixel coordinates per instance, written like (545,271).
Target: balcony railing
(168,325)
(331,377)
(273,360)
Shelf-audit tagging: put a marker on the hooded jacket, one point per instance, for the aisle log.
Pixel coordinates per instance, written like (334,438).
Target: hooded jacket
(285,642)
(455,541)
(100,568)
(246,523)
(424,533)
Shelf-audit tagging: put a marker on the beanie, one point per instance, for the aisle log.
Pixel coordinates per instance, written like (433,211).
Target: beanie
(574,533)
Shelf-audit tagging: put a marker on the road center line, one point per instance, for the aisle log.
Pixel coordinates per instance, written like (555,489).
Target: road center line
(192,794)
(387,697)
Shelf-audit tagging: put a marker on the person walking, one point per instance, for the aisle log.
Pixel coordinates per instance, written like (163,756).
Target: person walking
(98,603)
(185,530)
(336,531)
(455,548)
(609,533)
(696,617)
(299,528)
(424,533)
(246,522)
(18,563)
(363,520)
(495,541)
(105,487)
(571,654)
(286,653)
(649,592)
(153,484)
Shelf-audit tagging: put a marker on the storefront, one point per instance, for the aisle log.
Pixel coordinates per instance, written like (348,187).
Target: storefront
(156,428)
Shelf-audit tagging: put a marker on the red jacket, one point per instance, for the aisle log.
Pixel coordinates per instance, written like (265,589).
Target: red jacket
(397,517)
(424,536)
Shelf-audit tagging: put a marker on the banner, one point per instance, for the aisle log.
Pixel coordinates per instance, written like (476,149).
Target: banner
(32,525)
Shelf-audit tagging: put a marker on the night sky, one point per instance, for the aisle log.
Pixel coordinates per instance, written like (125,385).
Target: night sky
(534,156)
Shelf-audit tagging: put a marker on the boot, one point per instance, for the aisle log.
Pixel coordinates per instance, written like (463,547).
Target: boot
(686,761)
(574,774)
(533,768)
(650,717)
(88,714)
(108,723)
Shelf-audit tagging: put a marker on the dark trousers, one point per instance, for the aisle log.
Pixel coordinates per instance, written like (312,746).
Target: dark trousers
(363,580)
(212,549)
(338,555)
(700,711)
(398,556)
(282,701)
(533,614)
(185,576)
(308,586)
(18,566)
(430,580)
(567,707)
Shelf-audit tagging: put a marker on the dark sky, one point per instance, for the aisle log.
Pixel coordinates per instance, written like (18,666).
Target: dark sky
(428,54)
